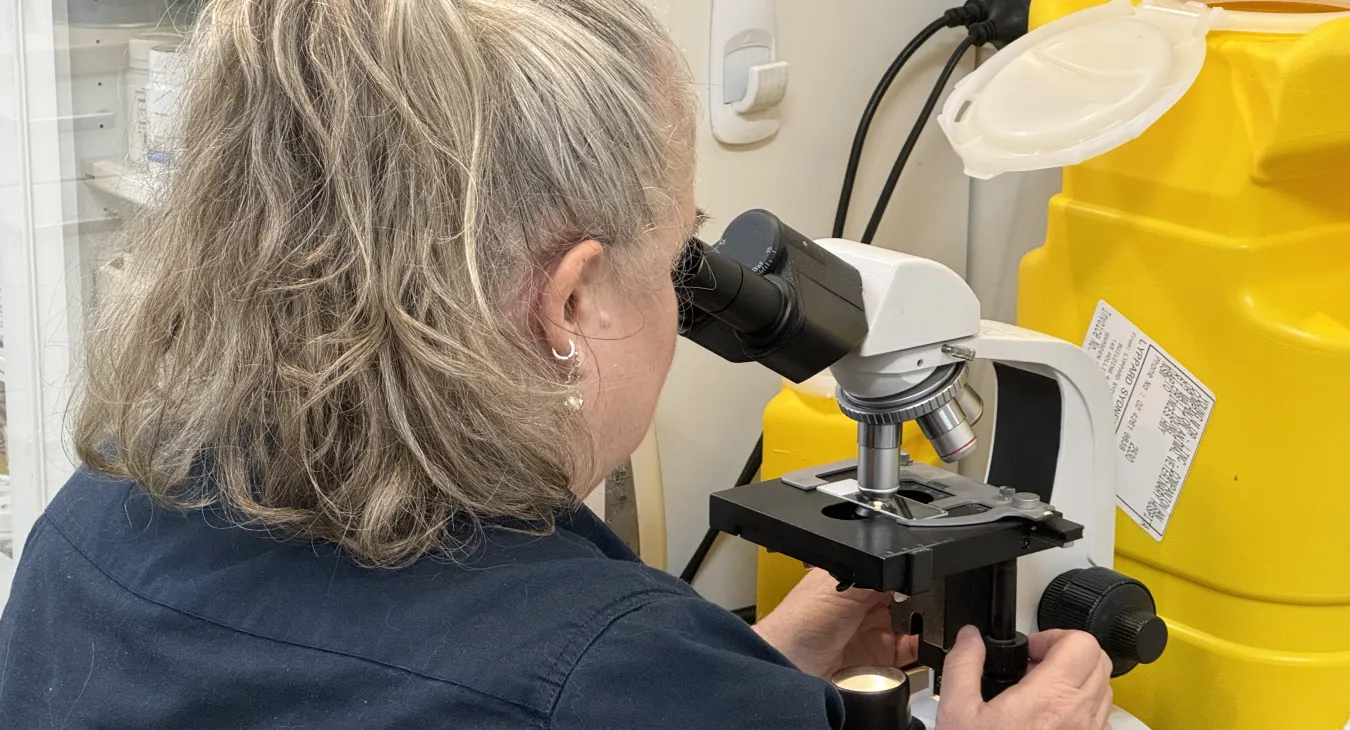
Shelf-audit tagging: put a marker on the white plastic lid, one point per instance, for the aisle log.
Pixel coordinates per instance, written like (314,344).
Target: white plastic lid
(1089,82)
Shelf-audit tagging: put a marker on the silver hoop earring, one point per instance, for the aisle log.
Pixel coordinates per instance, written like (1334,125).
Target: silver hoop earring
(570,353)
(574,399)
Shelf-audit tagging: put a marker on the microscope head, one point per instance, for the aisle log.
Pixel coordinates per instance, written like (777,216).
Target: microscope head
(769,294)
(907,368)
(912,305)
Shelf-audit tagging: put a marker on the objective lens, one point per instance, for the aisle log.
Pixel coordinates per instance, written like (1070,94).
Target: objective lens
(878,460)
(972,405)
(949,432)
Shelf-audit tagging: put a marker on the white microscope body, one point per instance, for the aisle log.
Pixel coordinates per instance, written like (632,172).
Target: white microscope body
(1027,546)
(922,316)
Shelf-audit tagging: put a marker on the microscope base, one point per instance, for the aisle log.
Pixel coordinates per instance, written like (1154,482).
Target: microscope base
(925,707)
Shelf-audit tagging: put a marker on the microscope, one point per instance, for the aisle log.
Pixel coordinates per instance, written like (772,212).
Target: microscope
(1028,547)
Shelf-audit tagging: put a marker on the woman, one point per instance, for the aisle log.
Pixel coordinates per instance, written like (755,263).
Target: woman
(406,298)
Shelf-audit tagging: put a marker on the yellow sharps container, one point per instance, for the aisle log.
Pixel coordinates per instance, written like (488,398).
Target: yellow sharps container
(1206,200)
(803,427)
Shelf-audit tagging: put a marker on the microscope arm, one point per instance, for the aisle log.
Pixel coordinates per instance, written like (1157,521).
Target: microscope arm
(1087,450)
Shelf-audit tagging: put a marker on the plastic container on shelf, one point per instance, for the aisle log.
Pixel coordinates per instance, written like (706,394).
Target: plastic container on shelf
(167,77)
(1208,204)
(803,427)
(135,83)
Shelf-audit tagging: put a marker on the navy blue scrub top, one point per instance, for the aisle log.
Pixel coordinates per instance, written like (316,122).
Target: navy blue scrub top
(125,614)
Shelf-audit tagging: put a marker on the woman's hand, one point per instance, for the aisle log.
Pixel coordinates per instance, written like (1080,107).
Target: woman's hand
(1067,688)
(822,630)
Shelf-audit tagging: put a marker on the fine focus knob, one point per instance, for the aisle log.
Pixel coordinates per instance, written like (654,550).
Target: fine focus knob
(1116,609)
(1140,635)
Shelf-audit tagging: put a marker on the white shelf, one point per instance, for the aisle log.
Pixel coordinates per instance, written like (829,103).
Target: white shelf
(113,178)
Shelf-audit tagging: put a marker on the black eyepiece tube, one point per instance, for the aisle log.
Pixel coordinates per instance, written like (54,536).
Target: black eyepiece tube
(770,295)
(721,286)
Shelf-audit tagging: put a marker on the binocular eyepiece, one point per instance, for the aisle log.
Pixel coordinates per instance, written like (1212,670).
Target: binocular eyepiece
(768,294)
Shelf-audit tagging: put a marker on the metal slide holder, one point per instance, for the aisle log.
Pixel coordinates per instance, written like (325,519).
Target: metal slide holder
(926,496)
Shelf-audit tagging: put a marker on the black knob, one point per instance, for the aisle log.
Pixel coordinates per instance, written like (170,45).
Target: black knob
(1116,609)
(1005,663)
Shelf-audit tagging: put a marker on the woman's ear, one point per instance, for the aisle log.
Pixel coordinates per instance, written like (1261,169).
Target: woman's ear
(571,307)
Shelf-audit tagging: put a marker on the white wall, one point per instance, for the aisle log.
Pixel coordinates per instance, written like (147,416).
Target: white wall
(710,412)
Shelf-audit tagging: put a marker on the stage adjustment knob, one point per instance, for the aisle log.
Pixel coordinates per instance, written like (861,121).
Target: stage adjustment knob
(1116,609)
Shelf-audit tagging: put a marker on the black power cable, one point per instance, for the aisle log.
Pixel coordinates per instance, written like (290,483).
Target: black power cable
(864,124)
(884,200)
(752,465)
(974,11)
(700,554)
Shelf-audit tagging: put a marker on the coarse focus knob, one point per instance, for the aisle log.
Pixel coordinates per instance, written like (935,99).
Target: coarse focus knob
(1116,609)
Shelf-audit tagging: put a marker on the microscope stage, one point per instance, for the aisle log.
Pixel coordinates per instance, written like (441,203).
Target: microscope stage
(874,551)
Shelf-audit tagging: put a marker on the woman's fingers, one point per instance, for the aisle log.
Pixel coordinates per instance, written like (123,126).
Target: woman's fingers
(1072,656)
(878,617)
(1097,691)
(1098,682)
(962,668)
(1039,643)
(1102,719)
(906,650)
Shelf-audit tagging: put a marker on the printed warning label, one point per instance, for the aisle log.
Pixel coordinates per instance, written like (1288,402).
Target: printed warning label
(1161,411)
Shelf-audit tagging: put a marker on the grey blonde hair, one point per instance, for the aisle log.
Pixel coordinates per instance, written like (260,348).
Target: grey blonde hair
(324,312)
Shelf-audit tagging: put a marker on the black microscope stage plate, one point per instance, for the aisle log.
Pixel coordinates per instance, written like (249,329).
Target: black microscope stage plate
(874,552)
